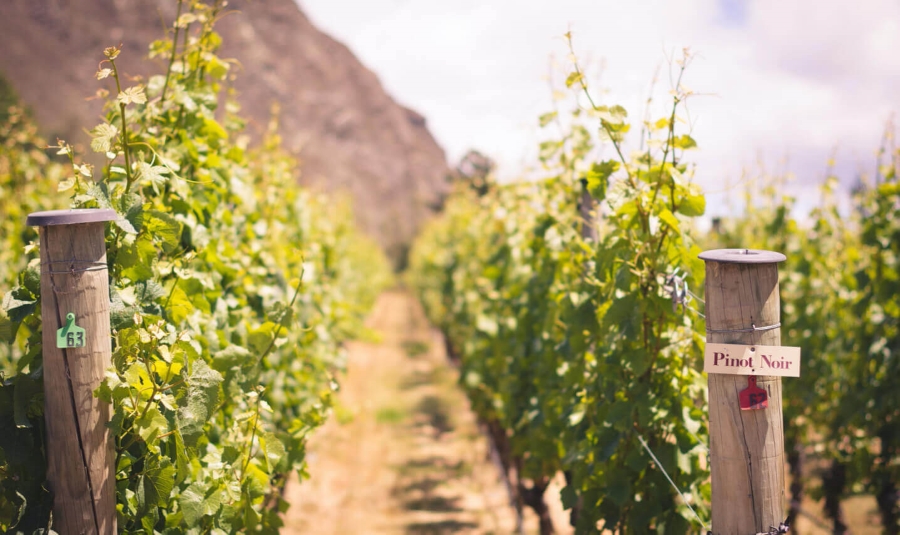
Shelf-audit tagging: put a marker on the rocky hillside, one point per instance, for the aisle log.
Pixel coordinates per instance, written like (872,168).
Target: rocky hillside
(349,134)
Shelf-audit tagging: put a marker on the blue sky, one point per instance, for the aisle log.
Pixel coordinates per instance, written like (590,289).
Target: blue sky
(781,85)
(733,12)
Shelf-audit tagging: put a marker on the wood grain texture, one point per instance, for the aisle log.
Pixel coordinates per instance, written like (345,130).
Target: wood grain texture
(79,447)
(746,447)
(587,209)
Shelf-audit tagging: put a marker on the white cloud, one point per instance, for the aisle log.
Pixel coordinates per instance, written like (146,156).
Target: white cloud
(787,78)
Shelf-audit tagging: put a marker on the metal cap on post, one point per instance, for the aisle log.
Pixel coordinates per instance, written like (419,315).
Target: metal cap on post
(76,353)
(71,217)
(746,435)
(742,256)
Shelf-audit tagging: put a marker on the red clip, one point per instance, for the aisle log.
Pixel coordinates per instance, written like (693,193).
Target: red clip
(753,397)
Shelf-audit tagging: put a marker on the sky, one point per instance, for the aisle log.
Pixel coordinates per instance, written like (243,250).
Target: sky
(780,86)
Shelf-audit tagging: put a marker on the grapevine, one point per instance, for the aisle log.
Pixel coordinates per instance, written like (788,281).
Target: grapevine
(571,348)
(232,290)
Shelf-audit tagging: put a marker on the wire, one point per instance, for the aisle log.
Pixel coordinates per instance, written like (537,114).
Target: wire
(693,295)
(752,329)
(677,288)
(663,470)
(701,314)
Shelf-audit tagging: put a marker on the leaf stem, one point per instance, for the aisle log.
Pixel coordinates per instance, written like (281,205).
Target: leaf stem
(162,97)
(128,177)
(252,438)
(280,325)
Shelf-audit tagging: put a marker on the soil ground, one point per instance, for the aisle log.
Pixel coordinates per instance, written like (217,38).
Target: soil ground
(403,454)
(860,513)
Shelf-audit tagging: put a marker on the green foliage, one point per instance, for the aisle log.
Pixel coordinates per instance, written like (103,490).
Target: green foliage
(570,344)
(28,183)
(231,292)
(839,303)
(875,371)
(8,99)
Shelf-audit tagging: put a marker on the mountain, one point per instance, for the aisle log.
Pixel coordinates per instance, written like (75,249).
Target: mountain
(349,134)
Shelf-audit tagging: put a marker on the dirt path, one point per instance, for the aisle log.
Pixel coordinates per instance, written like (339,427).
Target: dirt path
(402,454)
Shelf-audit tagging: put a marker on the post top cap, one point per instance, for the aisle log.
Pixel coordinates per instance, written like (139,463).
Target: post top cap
(742,256)
(71,217)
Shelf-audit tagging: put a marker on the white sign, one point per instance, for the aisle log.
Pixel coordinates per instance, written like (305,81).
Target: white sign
(752,360)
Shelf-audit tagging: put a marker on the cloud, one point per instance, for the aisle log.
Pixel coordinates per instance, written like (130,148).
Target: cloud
(780,79)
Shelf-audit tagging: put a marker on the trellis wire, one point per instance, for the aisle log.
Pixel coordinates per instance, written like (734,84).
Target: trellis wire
(663,470)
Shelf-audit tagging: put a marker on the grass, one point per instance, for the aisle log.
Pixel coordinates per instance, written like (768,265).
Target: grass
(415,348)
(390,415)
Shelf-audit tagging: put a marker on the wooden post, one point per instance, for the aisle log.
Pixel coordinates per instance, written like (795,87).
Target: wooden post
(74,280)
(586,208)
(746,446)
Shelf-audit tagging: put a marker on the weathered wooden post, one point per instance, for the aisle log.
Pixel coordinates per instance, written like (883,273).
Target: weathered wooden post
(77,352)
(745,363)
(587,210)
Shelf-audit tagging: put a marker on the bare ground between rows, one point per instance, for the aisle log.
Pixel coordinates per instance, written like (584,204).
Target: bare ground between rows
(402,453)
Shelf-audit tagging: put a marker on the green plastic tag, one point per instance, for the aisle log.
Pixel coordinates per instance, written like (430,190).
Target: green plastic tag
(71,335)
